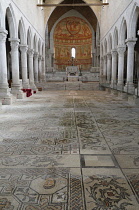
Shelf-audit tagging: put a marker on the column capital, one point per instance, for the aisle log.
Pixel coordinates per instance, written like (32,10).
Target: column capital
(23,48)
(109,55)
(30,52)
(40,57)
(3,35)
(131,42)
(121,49)
(114,52)
(14,43)
(36,55)
(104,57)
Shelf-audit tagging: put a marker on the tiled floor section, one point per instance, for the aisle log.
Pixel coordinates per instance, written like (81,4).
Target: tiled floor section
(69,150)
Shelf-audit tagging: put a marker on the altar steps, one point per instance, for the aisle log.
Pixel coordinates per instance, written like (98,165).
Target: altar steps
(71,86)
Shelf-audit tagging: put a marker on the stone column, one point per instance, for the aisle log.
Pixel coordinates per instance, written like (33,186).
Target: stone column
(105,67)
(108,67)
(4,89)
(36,69)
(121,50)
(16,88)
(40,68)
(31,73)
(43,70)
(94,59)
(114,67)
(101,69)
(98,54)
(130,62)
(23,49)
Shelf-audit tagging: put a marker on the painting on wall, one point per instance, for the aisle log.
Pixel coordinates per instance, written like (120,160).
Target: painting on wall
(73,32)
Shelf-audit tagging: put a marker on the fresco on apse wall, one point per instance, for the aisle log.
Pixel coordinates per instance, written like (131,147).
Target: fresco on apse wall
(73,32)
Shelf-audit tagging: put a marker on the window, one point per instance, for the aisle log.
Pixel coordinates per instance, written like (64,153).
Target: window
(73,52)
(105,1)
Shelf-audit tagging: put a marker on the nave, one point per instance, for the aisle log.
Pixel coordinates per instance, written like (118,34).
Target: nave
(69,150)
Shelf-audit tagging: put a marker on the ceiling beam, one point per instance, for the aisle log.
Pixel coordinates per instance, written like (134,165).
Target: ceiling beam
(71,5)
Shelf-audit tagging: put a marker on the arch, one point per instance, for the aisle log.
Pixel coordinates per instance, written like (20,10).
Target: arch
(12,22)
(22,32)
(35,43)
(57,12)
(29,39)
(123,32)
(109,43)
(115,38)
(133,22)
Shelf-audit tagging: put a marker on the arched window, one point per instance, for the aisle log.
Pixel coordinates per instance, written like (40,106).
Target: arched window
(73,52)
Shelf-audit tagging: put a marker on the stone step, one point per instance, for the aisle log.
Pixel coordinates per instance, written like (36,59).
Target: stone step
(70,86)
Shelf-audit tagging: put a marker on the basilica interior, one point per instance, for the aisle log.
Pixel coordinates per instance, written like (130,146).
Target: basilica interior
(69,105)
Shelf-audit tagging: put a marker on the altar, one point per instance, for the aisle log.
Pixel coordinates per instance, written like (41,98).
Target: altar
(72,73)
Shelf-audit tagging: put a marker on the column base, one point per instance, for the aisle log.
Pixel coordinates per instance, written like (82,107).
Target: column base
(137,91)
(120,87)
(20,95)
(5,96)
(43,79)
(123,95)
(25,85)
(129,88)
(102,88)
(16,90)
(108,90)
(114,92)
(133,100)
(7,101)
(113,84)
(33,87)
(0,104)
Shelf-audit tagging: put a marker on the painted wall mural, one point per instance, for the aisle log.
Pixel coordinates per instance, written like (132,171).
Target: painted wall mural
(73,32)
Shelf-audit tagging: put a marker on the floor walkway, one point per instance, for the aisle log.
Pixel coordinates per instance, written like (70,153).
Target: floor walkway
(69,150)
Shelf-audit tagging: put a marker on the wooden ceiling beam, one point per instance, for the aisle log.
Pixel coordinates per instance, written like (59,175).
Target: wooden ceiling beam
(71,5)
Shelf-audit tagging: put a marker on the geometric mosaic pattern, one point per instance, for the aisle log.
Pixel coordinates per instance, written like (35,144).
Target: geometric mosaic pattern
(69,150)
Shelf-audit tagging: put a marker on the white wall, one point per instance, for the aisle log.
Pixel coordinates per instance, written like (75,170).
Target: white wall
(111,13)
(32,15)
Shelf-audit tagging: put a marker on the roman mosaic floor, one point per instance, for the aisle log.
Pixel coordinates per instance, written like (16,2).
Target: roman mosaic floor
(69,150)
